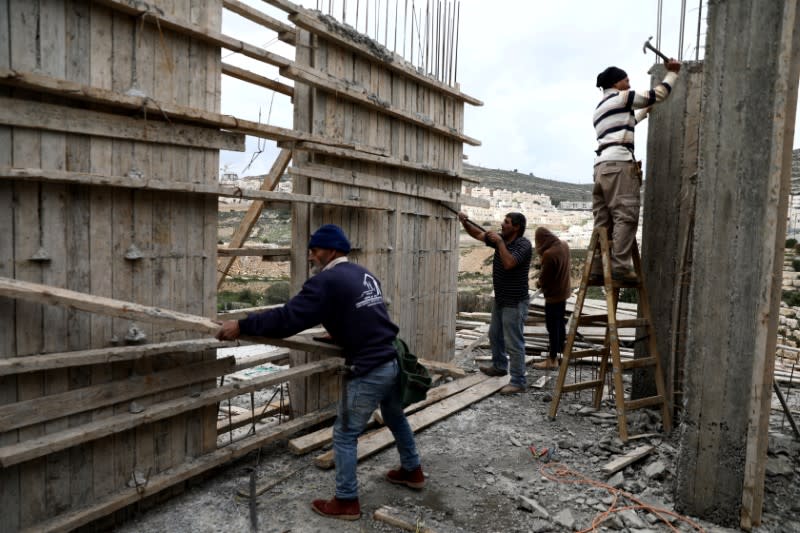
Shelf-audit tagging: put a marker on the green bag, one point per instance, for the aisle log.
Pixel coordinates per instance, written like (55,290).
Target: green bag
(414,378)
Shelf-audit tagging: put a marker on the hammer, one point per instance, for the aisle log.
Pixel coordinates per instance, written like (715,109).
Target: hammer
(456,212)
(654,49)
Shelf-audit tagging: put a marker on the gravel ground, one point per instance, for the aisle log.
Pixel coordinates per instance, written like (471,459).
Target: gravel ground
(481,477)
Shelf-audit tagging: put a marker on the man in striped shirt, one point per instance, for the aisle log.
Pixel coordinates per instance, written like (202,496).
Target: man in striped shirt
(617,175)
(510,268)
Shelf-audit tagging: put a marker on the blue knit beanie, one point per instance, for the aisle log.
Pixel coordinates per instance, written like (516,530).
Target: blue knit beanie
(330,237)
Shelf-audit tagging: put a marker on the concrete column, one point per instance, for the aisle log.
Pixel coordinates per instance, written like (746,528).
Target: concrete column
(668,210)
(750,95)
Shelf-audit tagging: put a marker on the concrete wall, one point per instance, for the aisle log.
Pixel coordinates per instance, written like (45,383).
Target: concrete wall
(750,93)
(669,200)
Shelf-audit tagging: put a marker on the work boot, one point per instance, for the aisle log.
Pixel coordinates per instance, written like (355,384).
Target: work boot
(626,276)
(512,389)
(336,508)
(414,479)
(490,370)
(547,364)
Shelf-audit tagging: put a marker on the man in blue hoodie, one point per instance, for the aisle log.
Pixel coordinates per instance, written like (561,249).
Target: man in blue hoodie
(347,300)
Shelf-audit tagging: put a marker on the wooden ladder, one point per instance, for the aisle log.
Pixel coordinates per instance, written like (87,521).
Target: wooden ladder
(599,244)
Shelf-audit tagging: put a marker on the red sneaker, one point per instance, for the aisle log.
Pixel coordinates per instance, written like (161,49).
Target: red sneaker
(414,479)
(336,508)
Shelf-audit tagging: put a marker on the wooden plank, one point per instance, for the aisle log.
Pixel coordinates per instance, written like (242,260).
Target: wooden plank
(360,95)
(241,233)
(78,265)
(183,472)
(403,520)
(320,438)
(285,32)
(54,406)
(371,181)
(35,292)
(629,458)
(38,115)
(252,251)
(9,477)
(255,79)
(31,363)
(97,429)
(374,52)
(194,31)
(52,39)
(359,155)
(378,440)
(225,424)
(143,105)
(26,150)
(133,182)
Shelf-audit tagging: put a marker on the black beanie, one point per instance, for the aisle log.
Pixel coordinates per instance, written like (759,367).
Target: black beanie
(610,76)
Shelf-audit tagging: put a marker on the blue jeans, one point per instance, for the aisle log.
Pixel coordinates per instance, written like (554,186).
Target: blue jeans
(508,343)
(381,386)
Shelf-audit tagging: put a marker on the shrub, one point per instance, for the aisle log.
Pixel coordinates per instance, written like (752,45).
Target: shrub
(791,243)
(796,264)
(277,293)
(791,298)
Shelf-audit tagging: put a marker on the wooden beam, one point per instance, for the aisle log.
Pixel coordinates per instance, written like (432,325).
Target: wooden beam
(331,30)
(146,104)
(286,33)
(187,470)
(355,93)
(359,155)
(54,406)
(369,181)
(238,314)
(44,294)
(629,458)
(402,519)
(156,16)
(96,429)
(31,363)
(378,440)
(254,252)
(143,183)
(52,117)
(255,79)
(250,218)
(245,418)
(318,439)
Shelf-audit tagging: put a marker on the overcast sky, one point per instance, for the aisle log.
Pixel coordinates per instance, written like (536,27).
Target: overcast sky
(532,62)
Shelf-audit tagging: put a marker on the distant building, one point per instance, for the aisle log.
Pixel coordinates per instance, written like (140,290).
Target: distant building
(575,206)
(230,176)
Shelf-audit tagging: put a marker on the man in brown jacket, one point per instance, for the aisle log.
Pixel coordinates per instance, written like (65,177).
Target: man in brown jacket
(554,283)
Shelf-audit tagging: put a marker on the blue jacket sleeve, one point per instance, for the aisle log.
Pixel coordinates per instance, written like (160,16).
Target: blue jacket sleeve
(305,310)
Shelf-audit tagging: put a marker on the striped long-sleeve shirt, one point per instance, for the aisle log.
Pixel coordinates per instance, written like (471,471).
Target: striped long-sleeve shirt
(614,118)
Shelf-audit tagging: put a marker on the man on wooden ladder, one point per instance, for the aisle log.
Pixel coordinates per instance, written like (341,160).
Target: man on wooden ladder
(617,174)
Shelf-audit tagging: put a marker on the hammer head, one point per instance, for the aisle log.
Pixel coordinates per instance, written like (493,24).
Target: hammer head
(647,42)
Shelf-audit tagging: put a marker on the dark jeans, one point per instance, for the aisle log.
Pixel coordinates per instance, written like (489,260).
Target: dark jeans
(556,326)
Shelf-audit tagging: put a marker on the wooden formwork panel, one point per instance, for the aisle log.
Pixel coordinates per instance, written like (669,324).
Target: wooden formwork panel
(413,249)
(77,237)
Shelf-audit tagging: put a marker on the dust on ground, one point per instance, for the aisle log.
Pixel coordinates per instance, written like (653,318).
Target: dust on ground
(482,477)
(481,474)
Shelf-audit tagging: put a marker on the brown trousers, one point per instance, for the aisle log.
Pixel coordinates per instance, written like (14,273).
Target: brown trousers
(615,205)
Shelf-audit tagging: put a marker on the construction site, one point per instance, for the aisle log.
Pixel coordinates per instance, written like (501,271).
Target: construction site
(120,410)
